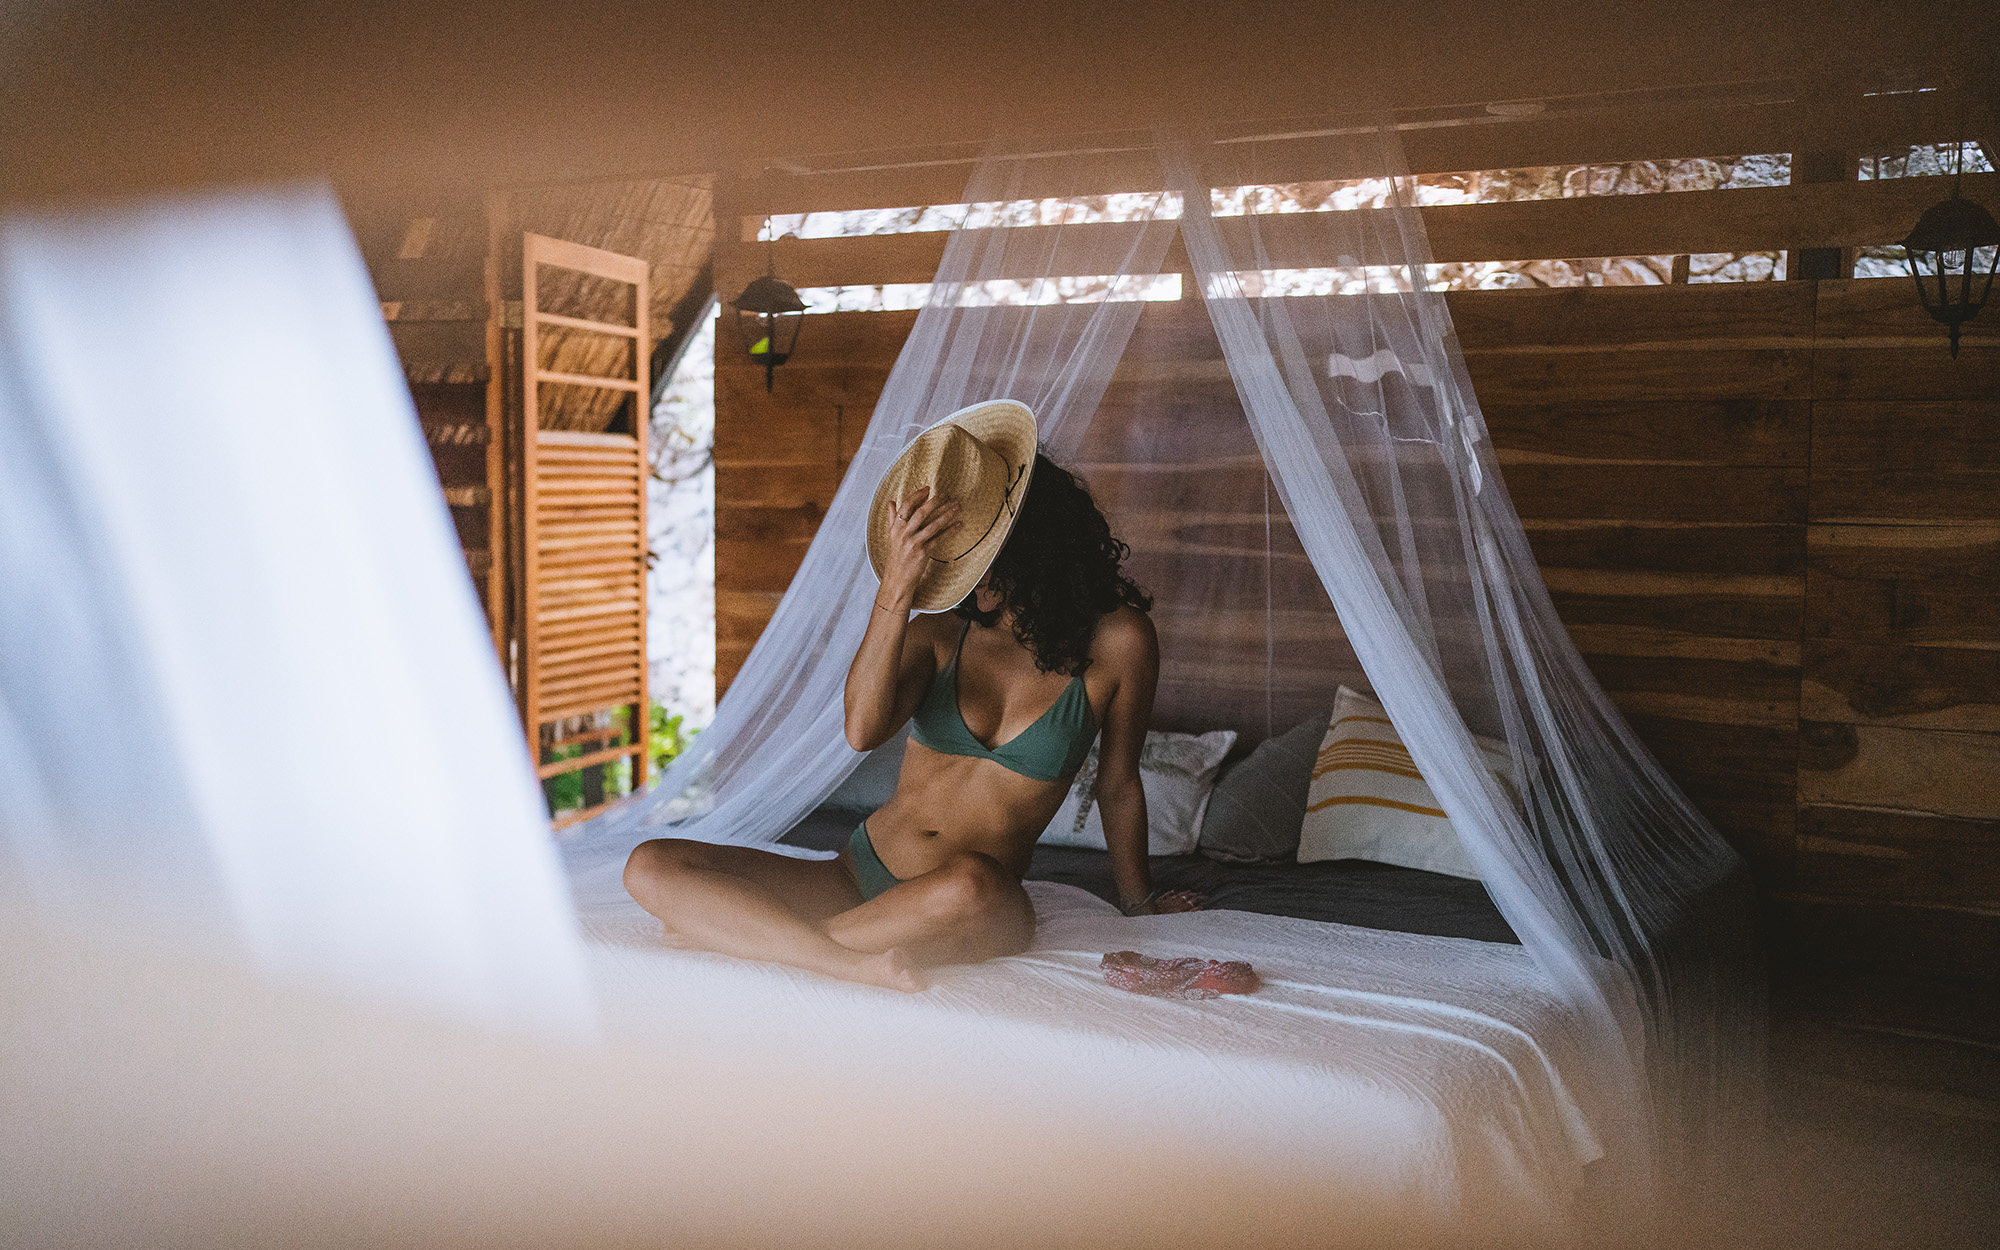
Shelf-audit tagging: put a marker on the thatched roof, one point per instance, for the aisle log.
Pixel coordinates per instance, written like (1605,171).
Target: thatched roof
(670,222)
(428,258)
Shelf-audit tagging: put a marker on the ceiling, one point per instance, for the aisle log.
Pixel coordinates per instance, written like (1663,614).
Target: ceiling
(120,96)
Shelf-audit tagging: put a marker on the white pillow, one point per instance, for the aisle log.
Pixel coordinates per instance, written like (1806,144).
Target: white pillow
(1367,800)
(1177,772)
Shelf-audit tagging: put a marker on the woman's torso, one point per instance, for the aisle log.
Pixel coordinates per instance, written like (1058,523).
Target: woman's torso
(947,802)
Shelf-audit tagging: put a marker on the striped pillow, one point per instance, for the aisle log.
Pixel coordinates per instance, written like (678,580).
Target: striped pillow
(1368,801)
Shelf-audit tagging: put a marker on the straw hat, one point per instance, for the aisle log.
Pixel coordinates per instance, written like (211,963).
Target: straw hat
(979,457)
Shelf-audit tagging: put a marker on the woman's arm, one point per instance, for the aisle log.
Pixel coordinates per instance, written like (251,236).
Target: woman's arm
(1128,647)
(892,667)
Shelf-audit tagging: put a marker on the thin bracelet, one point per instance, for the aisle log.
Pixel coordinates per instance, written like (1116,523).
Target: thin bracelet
(1133,909)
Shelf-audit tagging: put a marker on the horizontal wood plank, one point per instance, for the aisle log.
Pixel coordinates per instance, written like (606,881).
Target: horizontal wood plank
(1916,369)
(1766,122)
(1638,640)
(1837,214)
(1912,770)
(1922,462)
(1915,687)
(1840,214)
(1871,853)
(783,485)
(1924,585)
(1617,376)
(1670,547)
(1707,432)
(590,760)
(1708,691)
(795,525)
(1885,311)
(583,441)
(758,565)
(1763,831)
(1711,495)
(1752,763)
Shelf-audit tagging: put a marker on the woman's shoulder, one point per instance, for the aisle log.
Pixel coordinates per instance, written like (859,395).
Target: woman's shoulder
(1125,638)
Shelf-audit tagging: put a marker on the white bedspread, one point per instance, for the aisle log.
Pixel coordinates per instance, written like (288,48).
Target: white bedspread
(1414,1074)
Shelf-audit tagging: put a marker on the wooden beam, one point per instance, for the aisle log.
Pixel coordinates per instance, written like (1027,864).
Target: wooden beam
(579,323)
(1853,214)
(1601,135)
(605,756)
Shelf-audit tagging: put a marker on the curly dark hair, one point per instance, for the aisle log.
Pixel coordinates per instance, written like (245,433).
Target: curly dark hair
(1060,571)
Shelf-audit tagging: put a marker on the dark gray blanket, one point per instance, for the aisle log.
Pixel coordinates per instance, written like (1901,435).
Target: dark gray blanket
(1357,892)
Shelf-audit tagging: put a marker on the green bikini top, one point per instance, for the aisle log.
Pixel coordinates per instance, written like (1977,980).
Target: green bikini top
(1051,749)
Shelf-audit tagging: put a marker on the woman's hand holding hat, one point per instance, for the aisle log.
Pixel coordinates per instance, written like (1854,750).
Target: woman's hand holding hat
(978,462)
(918,520)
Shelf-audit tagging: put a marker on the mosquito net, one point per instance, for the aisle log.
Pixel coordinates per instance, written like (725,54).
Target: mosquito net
(246,694)
(1306,482)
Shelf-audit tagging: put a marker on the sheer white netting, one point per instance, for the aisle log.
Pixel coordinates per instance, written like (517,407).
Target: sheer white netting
(776,749)
(246,694)
(1355,528)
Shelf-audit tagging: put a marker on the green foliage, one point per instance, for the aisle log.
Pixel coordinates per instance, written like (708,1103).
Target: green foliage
(667,737)
(564,791)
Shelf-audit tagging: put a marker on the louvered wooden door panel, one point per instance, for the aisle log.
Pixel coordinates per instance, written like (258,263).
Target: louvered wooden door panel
(584,341)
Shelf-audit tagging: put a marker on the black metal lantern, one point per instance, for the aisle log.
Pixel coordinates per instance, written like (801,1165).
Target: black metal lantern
(768,315)
(1943,254)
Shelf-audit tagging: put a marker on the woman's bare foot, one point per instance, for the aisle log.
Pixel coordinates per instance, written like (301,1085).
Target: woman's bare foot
(672,937)
(893,969)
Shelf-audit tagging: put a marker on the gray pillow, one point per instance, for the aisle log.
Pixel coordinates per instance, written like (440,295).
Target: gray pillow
(873,782)
(1259,803)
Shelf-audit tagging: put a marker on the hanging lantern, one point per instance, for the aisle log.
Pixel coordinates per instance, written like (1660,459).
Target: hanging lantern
(1943,254)
(768,315)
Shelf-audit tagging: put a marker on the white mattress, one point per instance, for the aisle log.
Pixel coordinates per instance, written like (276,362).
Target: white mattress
(1423,1078)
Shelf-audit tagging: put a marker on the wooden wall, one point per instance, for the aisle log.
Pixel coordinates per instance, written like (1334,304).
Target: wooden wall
(1765,511)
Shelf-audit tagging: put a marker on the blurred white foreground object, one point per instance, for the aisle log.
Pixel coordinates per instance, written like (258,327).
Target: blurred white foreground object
(246,695)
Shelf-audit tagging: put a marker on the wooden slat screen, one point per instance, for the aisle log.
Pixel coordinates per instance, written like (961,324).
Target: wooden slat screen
(1844,214)
(584,496)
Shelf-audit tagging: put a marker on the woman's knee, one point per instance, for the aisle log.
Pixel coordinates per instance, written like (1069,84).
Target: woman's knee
(968,883)
(658,858)
(977,892)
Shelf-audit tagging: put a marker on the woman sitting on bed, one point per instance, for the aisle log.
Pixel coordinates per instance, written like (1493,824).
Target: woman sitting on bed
(1047,643)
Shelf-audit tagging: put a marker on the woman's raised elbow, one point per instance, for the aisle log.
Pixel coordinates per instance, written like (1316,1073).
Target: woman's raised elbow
(863,737)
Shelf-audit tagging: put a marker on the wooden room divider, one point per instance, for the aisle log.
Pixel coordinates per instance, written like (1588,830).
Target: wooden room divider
(584,468)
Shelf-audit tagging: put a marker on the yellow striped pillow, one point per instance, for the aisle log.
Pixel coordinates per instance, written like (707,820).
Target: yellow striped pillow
(1368,801)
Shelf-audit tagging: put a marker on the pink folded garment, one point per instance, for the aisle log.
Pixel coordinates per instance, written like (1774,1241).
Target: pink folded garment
(1186,977)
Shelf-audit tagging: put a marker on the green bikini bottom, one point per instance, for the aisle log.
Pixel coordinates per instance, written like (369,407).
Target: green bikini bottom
(869,873)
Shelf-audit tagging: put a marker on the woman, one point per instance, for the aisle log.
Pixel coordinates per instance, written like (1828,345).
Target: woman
(1052,646)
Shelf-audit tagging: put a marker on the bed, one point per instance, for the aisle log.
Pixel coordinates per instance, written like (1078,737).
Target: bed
(1425,1078)
(1352,891)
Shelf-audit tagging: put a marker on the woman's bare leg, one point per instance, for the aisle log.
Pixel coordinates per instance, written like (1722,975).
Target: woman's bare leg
(756,905)
(965,910)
